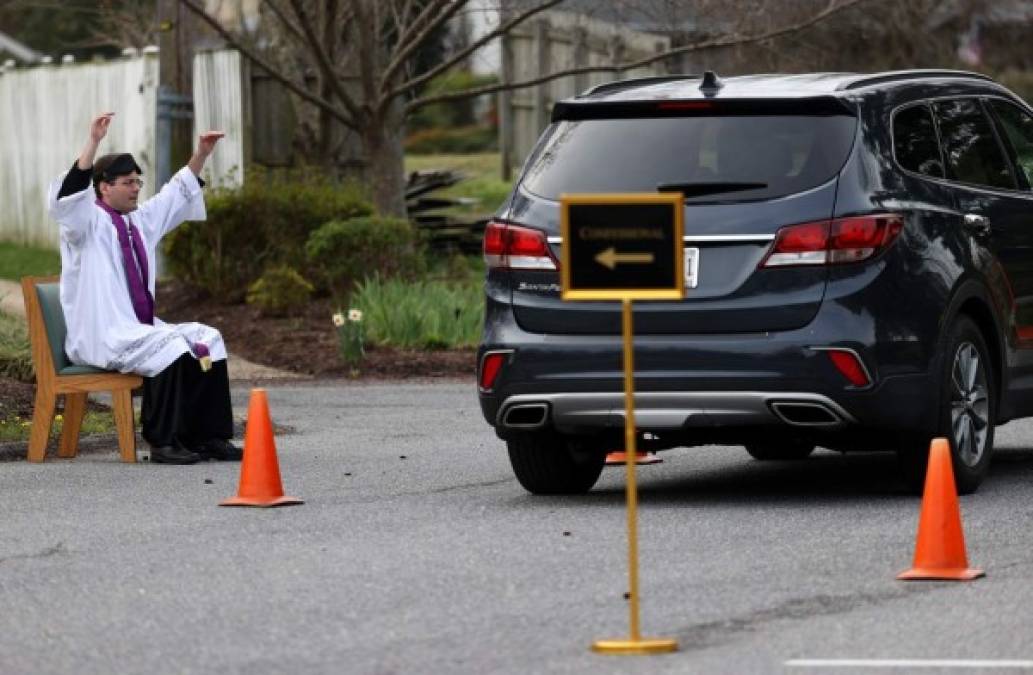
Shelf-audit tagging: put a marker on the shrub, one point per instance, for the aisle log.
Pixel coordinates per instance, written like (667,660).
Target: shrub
(279,292)
(343,252)
(15,354)
(461,140)
(1019,81)
(424,315)
(259,226)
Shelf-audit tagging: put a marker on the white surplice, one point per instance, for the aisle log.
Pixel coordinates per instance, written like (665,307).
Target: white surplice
(103,330)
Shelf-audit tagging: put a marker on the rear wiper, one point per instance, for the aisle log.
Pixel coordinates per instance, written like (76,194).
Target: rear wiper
(697,189)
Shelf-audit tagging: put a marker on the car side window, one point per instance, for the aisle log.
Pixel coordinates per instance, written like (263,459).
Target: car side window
(914,141)
(969,145)
(1018,128)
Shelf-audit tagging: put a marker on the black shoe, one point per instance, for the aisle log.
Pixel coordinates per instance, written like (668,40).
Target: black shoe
(220,449)
(174,454)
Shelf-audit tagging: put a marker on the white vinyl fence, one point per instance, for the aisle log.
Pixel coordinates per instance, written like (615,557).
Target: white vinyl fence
(45,114)
(219,105)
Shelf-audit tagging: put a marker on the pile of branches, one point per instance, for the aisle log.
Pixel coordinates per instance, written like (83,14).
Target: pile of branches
(441,230)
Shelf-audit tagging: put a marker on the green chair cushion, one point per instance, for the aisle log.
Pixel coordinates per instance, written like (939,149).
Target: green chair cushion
(54,321)
(49,295)
(80,370)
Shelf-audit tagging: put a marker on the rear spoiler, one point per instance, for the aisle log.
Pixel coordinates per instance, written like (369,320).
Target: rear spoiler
(816,106)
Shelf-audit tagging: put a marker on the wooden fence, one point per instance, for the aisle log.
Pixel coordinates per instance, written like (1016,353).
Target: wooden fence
(560,41)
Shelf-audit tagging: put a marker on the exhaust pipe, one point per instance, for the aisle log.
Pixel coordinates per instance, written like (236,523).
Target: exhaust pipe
(526,416)
(806,414)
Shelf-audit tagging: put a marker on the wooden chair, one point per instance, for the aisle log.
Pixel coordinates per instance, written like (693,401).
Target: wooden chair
(55,374)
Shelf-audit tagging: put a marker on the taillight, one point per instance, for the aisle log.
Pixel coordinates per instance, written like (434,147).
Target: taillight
(849,365)
(831,242)
(514,247)
(491,365)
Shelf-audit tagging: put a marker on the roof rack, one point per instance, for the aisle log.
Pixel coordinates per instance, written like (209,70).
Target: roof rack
(902,75)
(635,82)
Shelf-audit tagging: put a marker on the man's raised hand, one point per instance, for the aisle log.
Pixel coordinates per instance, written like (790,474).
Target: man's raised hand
(99,126)
(205,145)
(206,142)
(98,130)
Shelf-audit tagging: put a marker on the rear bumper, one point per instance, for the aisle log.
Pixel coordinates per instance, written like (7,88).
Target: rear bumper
(717,382)
(669,410)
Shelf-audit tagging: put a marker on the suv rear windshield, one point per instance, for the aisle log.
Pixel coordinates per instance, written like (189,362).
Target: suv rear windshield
(721,158)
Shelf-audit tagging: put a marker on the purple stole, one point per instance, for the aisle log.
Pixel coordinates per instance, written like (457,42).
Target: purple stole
(135,266)
(136,276)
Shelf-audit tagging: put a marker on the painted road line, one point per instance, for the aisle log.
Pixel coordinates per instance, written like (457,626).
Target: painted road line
(909,663)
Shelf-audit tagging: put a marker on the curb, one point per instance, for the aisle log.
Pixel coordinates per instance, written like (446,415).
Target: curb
(96,444)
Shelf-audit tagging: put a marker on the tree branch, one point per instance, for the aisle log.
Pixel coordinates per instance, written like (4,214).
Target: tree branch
(285,20)
(726,41)
(365,52)
(480,42)
(405,49)
(250,54)
(401,16)
(323,61)
(421,18)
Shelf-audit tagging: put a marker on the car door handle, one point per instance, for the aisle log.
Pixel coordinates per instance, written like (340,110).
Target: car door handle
(977,224)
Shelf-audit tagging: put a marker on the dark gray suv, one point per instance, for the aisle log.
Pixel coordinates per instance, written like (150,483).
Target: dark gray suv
(859,263)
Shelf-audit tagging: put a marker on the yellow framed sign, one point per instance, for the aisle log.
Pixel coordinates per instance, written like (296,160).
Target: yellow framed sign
(622,246)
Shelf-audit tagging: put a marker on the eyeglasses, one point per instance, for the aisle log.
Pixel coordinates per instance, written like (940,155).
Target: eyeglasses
(129,182)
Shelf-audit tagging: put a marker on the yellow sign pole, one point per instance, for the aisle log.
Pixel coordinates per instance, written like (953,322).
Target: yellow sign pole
(634,644)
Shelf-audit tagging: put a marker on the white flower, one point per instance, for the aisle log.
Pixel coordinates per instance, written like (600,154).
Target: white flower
(338,319)
(355,315)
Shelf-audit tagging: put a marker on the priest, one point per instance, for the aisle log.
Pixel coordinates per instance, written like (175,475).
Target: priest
(108,244)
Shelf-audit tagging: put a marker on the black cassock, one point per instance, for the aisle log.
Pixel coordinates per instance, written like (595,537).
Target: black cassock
(187,403)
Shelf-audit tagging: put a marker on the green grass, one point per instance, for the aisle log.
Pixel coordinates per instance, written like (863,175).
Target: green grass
(15,355)
(420,315)
(16,362)
(17,261)
(483,182)
(17,429)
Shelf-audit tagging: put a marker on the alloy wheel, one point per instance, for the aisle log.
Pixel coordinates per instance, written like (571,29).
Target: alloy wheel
(970,407)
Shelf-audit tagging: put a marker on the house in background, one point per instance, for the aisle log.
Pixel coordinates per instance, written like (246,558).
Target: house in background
(11,49)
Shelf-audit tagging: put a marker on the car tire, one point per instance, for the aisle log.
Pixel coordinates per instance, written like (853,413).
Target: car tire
(782,450)
(551,464)
(967,410)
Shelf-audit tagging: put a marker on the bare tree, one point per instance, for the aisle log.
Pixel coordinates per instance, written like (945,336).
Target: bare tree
(129,23)
(114,24)
(354,62)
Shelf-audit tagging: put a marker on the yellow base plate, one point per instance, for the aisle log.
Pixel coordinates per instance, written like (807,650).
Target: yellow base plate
(642,646)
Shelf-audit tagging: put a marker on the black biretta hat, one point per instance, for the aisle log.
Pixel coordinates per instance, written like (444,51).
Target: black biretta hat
(110,167)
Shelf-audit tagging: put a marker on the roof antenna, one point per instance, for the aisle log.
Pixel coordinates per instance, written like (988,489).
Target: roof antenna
(711,83)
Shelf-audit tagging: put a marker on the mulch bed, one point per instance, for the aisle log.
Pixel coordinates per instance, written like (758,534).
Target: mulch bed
(16,398)
(306,343)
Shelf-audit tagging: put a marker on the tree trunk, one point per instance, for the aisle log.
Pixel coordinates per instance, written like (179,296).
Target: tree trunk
(385,155)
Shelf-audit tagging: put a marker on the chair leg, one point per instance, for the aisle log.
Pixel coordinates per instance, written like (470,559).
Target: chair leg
(42,418)
(122,405)
(75,407)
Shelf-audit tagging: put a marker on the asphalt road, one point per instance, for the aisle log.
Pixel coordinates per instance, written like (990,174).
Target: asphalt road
(417,552)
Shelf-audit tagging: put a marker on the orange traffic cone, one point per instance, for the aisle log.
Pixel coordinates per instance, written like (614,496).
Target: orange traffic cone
(259,472)
(620,457)
(940,551)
